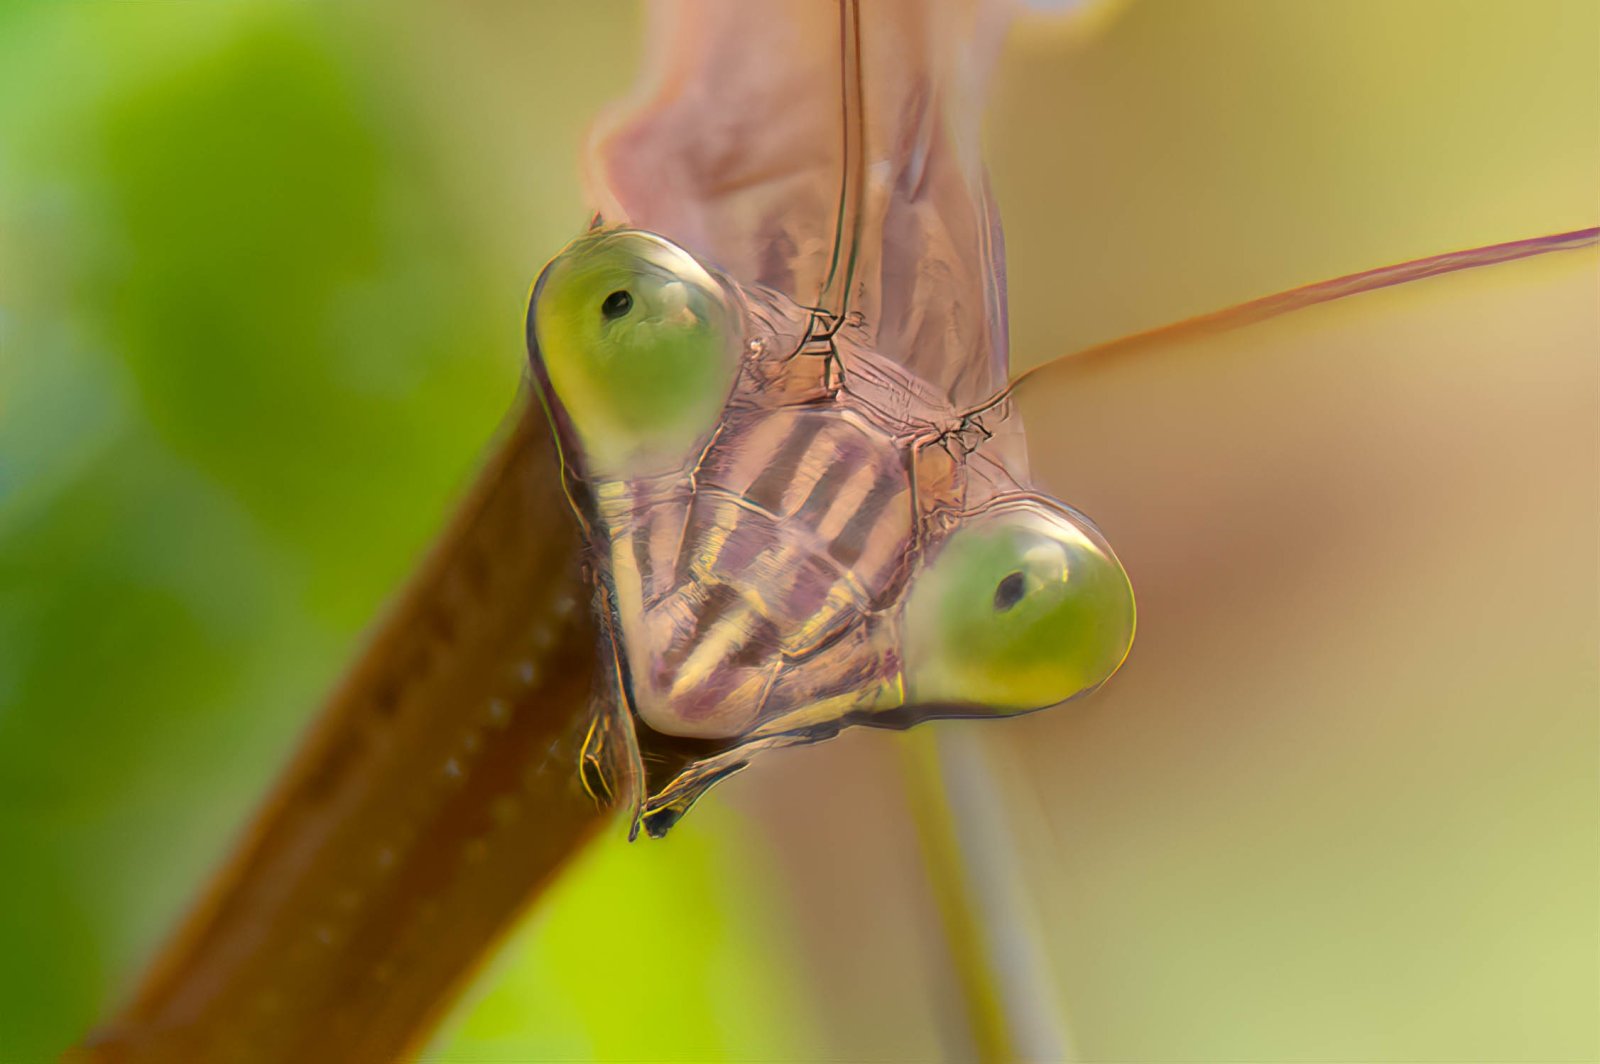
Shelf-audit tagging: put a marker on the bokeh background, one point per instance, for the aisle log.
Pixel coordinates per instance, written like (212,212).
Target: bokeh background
(262,279)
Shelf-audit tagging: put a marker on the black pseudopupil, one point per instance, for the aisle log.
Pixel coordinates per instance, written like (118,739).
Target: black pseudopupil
(1009,593)
(617,304)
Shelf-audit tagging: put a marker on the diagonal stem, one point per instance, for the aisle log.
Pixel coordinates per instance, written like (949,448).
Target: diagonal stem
(435,795)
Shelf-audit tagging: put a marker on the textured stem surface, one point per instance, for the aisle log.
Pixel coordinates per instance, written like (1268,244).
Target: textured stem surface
(434,796)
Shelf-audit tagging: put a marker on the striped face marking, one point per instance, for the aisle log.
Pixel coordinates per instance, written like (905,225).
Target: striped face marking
(774,558)
(797,526)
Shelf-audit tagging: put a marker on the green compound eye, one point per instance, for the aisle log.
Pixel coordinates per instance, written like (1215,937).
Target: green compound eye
(641,346)
(1020,608)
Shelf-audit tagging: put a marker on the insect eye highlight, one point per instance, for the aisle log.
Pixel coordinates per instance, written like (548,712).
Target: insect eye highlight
(617,304)
(1009,592)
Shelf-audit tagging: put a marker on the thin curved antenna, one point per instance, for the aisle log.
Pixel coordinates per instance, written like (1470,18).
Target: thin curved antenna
(1280,303)
(834,298)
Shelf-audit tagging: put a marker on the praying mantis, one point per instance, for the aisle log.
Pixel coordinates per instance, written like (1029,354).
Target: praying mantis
(531,659)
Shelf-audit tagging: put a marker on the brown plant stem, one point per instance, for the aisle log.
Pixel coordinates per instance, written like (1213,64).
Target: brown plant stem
(434,796)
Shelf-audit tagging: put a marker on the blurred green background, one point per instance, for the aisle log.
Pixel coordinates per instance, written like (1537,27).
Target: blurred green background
(262,279)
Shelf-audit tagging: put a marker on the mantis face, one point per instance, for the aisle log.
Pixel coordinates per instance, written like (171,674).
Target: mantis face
(772,563)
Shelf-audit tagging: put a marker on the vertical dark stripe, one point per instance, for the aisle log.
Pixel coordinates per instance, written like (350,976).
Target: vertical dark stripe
(724,678)
(699,523)
(823,492)
(847,546)
(640,525)
(752,534)
(768,488)
(760,642)
(720,600)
